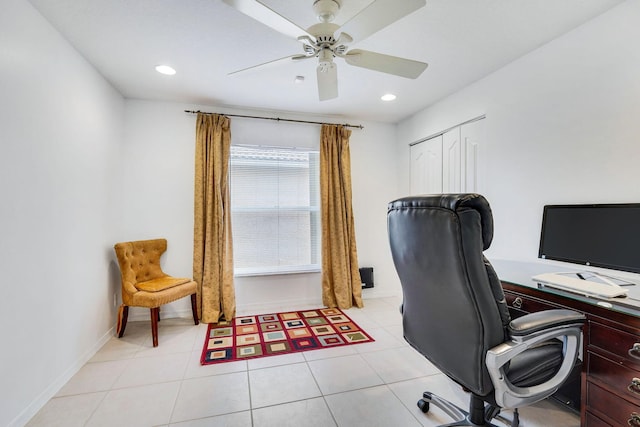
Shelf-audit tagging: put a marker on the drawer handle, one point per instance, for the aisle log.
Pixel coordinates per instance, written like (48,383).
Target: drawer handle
(635,351)
(634,420)
(517,303)
(634,387)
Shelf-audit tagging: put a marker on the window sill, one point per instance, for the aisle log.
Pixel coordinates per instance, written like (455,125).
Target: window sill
(301,270)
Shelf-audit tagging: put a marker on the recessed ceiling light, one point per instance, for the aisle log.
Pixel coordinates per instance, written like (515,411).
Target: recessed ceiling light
(165,69)
(388,97)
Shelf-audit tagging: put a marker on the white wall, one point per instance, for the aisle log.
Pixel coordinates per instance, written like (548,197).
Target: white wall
(562,127)
(60,133)
(159,170)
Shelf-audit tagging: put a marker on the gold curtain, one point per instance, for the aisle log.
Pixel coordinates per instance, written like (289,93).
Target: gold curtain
(341,285)
(212,243)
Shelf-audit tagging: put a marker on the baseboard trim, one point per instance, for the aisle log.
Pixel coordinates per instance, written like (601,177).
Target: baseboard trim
(137,314)
(373,293)
(287,304)
(278,306)
(53,388)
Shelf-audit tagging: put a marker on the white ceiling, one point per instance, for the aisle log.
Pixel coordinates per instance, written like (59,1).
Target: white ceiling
(204,40)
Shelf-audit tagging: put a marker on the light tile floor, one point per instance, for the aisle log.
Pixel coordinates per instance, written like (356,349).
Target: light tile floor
(129,383)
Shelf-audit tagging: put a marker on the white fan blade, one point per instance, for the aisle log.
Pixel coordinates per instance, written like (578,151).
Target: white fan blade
(261,13)
(270,64)
(378,15)
(385,63)
(327,81)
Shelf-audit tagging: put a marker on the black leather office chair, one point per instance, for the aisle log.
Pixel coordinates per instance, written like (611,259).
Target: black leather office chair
(455,314)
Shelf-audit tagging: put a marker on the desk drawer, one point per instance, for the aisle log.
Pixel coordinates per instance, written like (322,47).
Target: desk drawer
(593,421)
(620,344)
(609,406)
(623,381)
(519,305)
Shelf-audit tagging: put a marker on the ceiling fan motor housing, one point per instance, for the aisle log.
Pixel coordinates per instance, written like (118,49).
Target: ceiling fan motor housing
(326,10)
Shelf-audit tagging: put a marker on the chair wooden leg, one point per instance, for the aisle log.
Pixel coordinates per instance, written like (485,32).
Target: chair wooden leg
(123,313)
(194,309)
(154,325)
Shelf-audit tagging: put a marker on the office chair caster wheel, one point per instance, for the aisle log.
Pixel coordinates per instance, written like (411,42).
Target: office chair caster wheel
(423,405)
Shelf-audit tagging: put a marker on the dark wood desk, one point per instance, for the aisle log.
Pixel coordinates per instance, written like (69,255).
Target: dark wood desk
(610,379)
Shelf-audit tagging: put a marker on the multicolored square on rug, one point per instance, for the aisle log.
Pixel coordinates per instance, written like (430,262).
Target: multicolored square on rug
(249,337)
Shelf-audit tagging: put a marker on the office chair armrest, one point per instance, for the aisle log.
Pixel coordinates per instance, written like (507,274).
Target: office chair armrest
(566,326)
(543,320)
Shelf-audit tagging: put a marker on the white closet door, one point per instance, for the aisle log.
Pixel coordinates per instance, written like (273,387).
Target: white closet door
(426,167)
(449,163)
(452,165)
(472,137)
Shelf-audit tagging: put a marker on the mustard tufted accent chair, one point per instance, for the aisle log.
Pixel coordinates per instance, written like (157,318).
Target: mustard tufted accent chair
(144,284)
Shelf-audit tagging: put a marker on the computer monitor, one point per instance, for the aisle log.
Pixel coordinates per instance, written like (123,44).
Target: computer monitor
(599,235)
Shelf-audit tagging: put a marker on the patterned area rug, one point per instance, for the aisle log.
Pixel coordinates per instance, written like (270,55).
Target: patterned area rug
(250,337)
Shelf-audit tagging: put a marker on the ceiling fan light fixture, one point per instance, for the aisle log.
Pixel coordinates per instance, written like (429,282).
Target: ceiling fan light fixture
(166,70)
(325,60)
(326,10)
(326,67)
(388,97)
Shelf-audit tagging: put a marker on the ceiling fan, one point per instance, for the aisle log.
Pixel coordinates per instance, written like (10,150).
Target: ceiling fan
(327,40)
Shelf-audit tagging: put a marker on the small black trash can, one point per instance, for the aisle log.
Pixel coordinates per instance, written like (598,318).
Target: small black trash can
(366,277)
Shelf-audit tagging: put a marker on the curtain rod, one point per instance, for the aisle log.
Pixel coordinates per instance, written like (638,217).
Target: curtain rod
(276,119)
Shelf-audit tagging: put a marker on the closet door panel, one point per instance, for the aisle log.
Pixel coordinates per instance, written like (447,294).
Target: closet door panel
(472,135)
(452,167)
(426,167)
(450,162)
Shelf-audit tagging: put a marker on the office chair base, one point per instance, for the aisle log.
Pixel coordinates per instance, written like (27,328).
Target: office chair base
(463,417)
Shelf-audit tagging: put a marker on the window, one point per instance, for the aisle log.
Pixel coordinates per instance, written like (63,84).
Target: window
(275,212)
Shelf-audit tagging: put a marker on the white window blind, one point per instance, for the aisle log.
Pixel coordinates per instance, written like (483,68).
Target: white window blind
(275,210)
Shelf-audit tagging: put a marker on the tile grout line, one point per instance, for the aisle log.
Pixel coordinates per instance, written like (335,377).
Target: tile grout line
(324,399)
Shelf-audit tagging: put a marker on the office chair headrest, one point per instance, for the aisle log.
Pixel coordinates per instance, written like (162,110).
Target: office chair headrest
(453,202)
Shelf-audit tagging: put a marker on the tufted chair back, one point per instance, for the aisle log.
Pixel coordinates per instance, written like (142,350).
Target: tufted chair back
(144,284)
(139,262)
